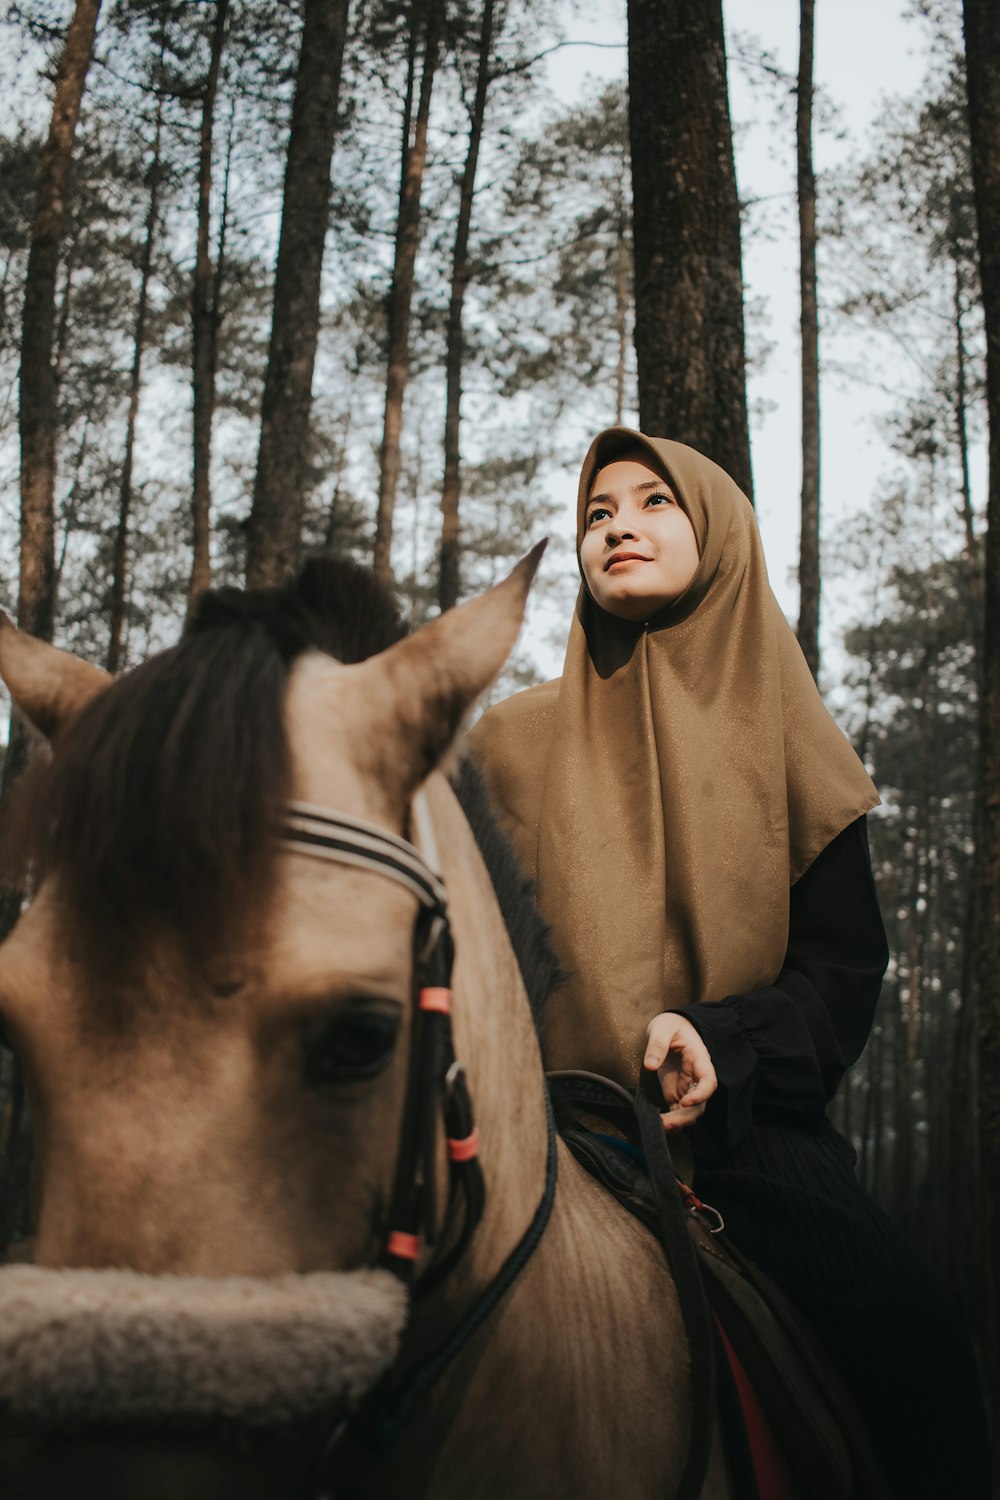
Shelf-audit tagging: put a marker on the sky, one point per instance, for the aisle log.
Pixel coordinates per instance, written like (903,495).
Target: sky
(864,51)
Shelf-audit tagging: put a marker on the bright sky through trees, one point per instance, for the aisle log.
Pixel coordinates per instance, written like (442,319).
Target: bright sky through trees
(865,50)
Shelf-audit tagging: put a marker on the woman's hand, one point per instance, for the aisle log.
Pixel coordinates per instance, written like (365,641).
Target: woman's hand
(681,1059)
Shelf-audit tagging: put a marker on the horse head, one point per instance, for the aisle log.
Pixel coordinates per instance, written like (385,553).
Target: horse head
(215,1028)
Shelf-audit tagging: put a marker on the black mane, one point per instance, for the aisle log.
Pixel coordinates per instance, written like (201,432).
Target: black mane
(157,805)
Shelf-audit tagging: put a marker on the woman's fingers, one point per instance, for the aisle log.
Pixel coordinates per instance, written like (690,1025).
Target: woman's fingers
(702,1089)
(680,1116)
(677,1053)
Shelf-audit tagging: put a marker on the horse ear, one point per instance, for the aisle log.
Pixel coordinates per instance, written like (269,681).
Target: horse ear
(49,686)
(429,681)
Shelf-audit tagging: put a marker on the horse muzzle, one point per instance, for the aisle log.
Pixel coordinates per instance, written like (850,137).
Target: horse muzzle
(136,1387)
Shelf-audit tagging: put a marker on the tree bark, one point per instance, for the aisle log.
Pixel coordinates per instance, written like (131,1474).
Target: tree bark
(401,293)
(982,49)
(961,414)
(275,525)
(39,395)
(809,556)
(38,413)
(623,266)
(448,580)
(204,327)
(119,566)
(689,336)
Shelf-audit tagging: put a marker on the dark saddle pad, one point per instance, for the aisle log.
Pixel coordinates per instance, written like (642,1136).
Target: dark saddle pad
(809,1411)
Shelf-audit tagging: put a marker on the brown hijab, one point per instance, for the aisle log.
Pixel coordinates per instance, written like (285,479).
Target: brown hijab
(668,791)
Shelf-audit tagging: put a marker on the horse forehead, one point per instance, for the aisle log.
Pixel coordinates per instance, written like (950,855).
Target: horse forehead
(331,914)
(324,709)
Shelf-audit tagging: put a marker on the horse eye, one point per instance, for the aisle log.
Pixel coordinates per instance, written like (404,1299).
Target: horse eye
(356,1043)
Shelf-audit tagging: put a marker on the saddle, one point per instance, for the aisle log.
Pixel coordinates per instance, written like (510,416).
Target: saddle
(773,1384)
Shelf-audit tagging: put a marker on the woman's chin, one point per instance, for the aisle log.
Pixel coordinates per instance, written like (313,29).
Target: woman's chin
(632,605)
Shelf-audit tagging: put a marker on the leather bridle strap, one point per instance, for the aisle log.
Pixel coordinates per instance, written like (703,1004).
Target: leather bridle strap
(434,1071)
(436,1077)
(347,840)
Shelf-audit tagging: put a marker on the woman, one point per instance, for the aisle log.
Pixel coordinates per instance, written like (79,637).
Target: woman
(694,823)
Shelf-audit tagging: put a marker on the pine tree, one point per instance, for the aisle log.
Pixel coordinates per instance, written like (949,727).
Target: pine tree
(276,517)
(982,39)
(38,409)
(689,322)
(809,549)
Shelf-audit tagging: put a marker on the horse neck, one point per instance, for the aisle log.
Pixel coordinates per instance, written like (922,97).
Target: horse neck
(595,1296)
(495,1038)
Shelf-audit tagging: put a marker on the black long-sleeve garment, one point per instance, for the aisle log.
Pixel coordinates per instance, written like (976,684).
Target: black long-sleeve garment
(780,1051)
(787,1190)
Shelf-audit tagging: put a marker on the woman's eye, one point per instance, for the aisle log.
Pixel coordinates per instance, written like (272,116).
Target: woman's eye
(597,514)
(659,499)
(355,1044)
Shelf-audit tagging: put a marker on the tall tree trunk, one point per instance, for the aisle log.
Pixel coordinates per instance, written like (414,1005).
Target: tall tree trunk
(448,581)
(809,569)
(623,267)
(119,566)
(982,48)
(38,414)
(39,397)
(275,524)
(66,302)
(333,513)
(401,293)
(688,275)
(961,412)
(70,507)
(204,326)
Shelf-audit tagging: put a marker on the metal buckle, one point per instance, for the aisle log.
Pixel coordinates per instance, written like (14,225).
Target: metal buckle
(714,1222)
(454,1073)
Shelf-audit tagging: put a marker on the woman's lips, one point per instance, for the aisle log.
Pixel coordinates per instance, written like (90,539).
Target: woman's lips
(622,557)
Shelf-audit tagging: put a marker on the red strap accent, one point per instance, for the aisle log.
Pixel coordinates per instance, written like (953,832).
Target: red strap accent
(774,1482)
(690,1196)
(437,999)
(403,1246)
(466,1149)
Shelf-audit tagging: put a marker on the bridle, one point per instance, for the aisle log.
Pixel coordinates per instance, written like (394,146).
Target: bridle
(436,1084)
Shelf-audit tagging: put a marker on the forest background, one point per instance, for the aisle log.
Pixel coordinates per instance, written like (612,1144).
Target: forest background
(366,276)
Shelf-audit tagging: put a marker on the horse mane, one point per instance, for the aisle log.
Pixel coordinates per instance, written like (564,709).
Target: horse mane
(156,809)
(529,934)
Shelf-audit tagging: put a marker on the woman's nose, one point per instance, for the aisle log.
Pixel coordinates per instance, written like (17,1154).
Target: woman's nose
(619,533)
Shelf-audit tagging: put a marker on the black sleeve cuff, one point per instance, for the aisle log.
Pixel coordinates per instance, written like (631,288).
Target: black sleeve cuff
(767,1069)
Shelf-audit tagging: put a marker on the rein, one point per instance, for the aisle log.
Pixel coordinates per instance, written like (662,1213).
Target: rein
(437,1081)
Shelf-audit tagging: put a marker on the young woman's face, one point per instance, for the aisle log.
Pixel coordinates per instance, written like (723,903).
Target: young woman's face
(639,551)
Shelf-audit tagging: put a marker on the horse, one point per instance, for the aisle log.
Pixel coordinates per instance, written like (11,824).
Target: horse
(213,1009)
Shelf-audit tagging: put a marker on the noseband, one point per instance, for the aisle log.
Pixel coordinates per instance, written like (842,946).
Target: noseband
(436,1080)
